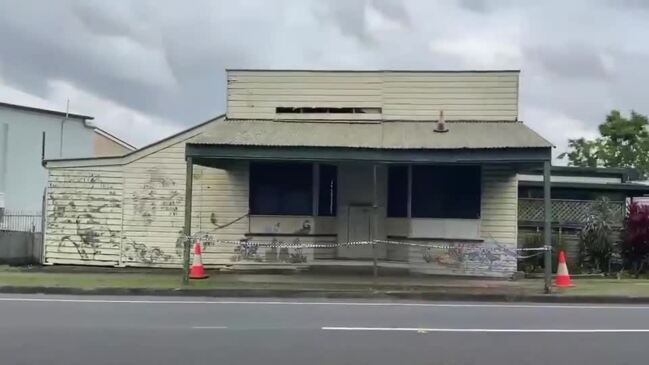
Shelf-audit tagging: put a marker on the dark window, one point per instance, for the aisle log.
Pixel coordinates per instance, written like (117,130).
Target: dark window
(328,186)
(328,110)
(446,192)
(281,188)
(398,191)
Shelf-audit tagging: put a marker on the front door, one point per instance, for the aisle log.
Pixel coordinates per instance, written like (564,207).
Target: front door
(355,195)
(360,224)
(359,229)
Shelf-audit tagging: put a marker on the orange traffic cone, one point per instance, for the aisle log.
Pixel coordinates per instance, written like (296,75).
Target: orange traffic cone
(563,277)
(197,271)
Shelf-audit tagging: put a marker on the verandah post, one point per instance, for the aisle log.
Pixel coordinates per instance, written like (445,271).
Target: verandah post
(547,225)
(188,219)
(375,221)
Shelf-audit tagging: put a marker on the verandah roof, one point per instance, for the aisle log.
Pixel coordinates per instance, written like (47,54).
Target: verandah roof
(385,135)
(388,141)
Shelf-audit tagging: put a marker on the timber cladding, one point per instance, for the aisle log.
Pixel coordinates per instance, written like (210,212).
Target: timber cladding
(132,214)
(84,216)
(399,95)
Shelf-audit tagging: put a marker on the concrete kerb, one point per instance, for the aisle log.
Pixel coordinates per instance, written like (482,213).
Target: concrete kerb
(328,294)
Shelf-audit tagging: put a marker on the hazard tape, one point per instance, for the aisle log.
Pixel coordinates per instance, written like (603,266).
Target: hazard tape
(284,244)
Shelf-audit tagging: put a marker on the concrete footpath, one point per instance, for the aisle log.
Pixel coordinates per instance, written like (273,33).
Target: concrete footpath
(71,280)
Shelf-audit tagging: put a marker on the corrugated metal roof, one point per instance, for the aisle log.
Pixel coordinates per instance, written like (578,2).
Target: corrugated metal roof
(386,135)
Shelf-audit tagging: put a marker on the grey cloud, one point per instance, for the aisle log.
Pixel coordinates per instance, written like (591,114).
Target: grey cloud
(478,6)
(100,19)
(394,10)
(347,16)
(570,60)
(166,59)
(630,4)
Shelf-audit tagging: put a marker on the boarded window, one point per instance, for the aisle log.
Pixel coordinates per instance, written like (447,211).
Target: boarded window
(446,192)
(281,188)
(328,190)
(327,110)
(398,191)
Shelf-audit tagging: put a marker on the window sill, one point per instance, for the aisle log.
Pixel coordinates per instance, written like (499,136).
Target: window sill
(289,216)
(476,240)
(267,234)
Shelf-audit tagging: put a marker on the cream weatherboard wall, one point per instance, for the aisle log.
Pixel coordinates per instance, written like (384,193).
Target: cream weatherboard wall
(499,208)
(401,95)
(84,215)
(130,211)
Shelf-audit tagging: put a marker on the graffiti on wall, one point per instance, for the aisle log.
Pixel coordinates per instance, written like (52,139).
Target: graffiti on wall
(469,256)
(134,251)
(271,252)
(79,216)
(86,240)
(158,194)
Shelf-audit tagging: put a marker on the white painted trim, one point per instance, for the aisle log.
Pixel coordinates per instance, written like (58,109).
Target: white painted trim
(571,179)
(135,155)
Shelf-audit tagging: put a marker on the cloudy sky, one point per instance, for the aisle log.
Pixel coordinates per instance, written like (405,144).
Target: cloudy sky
(149,68)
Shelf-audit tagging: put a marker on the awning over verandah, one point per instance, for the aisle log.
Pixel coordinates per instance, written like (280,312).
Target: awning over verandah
(387,142)
(394,141)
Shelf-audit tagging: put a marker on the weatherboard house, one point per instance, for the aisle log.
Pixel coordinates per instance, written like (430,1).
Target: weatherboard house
(422,164)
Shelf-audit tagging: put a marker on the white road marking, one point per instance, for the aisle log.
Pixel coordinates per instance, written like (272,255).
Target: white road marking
(489,330)
(343,304)
(209,327)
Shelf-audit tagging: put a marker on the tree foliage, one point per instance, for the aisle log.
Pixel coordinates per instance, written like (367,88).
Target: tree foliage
(623,142)
(597,236)
(635,237)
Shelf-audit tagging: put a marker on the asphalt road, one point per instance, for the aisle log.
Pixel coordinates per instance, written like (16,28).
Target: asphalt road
(137,330)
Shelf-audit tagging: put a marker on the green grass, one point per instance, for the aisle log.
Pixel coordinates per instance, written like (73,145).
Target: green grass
(173,280)
(609,287)
(81,280)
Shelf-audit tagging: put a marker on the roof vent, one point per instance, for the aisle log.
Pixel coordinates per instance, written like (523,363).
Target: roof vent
(441,124)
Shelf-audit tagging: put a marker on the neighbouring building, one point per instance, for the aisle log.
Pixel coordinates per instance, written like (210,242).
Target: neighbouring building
(107,144)
(575,192)
(27,135)
(426,162)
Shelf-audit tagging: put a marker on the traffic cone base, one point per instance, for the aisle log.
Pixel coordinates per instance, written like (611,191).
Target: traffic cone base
(197,271)
(562,279)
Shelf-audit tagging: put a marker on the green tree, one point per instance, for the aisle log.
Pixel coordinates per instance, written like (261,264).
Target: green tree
(597,237)
(623,142)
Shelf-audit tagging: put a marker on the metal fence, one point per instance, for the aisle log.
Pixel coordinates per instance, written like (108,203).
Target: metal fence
(565,211)
(21,221)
